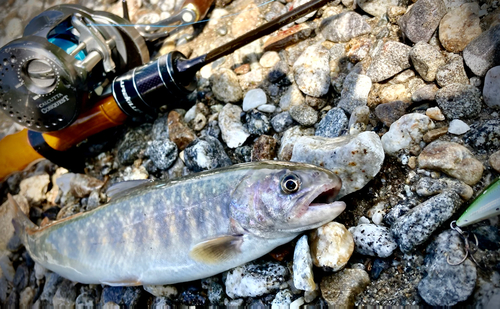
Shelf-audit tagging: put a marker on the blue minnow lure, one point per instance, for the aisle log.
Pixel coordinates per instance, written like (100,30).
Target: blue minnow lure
(485,206)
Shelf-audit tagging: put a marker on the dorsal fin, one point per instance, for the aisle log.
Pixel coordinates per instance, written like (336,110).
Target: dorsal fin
(217,250)
(122,188)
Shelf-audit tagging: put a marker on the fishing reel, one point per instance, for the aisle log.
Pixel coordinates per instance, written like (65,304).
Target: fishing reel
(66,53)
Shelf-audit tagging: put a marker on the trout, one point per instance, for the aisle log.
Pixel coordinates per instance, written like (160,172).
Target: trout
(165,232)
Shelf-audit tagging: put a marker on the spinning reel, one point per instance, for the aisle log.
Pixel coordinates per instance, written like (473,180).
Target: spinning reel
(66,53)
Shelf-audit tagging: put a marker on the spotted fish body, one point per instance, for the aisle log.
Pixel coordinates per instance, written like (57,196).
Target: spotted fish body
(185,229)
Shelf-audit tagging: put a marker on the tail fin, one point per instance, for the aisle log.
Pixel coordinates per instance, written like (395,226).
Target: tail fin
(20,221)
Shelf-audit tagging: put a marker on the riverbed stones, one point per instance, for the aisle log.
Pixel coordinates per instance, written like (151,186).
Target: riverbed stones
(343,27)
(452,72)
(377,7)
(303,277)
(484,135)
(292,97)
(392,58)
(289,139)
(245,21)
(225,86)
(311,71)
(422,19)
(459,27)
(426,59)
(282,121)
(355,92)
(373,240)
(388,113)
(334,124)
(232,130)
(427,186)
(205,153)
(6,216)
(458,127)
(459,101)
(162,153)
(253,99)
(331,246)
(491,89)
(418,224)
(178,131)
(453,159)
(304,114)
(341,288)
(494,161)
(483,52)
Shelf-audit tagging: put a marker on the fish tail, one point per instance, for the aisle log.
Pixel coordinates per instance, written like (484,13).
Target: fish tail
(20,221)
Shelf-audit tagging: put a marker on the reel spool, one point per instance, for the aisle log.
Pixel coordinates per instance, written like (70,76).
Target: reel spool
(66,53)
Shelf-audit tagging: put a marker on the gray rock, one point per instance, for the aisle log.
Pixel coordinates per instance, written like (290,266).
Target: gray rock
(65,295)
(52,282)
(459,101)
(483,52)
(122,296)
(376,7)
(303,277)
(334,124)
(422,19)
(257,123)
(232,130)
(453,72)
(418,224)
(396,212)
(355,92)
(282,122)
(86,298)
(22,277)
(426,93)
(343,27)
(491,90)
(278,72)
(276,9)
(292,97)
(373,240)
(214,289)
(391,58)
(304,114)
(427,186)
(162,153)
(484,135)
(311,71)
(389,113)
(134,144)
(444,284)
(426,59)
(225,86)
(205,153)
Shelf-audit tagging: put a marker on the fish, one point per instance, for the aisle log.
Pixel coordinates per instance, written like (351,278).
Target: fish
(485,206)
(184,229)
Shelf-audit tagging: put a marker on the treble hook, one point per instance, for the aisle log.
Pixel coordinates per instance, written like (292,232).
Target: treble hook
(468,251)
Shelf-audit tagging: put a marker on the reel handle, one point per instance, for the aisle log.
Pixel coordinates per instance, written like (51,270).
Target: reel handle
(200,7)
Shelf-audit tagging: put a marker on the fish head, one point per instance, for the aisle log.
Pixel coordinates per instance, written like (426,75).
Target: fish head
(284,198)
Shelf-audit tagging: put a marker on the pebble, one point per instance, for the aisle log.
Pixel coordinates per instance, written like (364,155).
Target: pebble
(422,19)
(311,71)
(425,93)
(426,59)
(178,131)
(269,59)
(276,9)
(341,288)
(453,159)
(484,135)
(278,72)
(377,7)
(434,134)
(283,299)
(297,3)
(199,122)
(494,161)
(214,289)
(427,186)
(26,297)
(358,48)
(303,277)
(331,246)
(391,93)
(252,279)
(458,127)
(373,240)
(253,99)
(289,139)
(444,284)
(133,144)
(406,133)
(52,282)
(226,86)
(418,224)
(168,291)
(192,296)
(232,130)
(459,27)
(256,123)
(162,153)
(459,101)
(355,159)
(292,97)
(392,58)
(205,153)
(246,20)
(65,295)
(264,148)
(481,54)
(34,188)
(288,37)
(282,121)
(355,92)
(6,216)
(121,296)
(14,28)
(396,212)
(491,90)
(389,113)
(304,114)
(344,26)
(334,124)
(434,113)
(452,72)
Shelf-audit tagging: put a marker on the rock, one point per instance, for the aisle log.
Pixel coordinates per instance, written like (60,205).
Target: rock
(178,131)
(334,124)
(359,119)
(6,216)
(354,92)
(444,284)
(422,19)
(205,153)
(225,86)
(282,122)
(243,154)
(495,161)
(425,93)
(257,123)
(373,240)
(253,99)
(376,8)
(434,134)
(427,186)
(343,27)
(282,299)
(199,122)
(340,289)
(297,3)
(483,52)
(392,58)
(26,297)
(303,277)
(289,139)
(87,298)
(288,37)
(276,9)
(459,27)
(388,113)
(34,188)
(311,71)
(245,21)
(292,97)
(459,101)
(426,59)
(391,93)
(331,246)
(418,224)
(434,113)
(484,135)
(214,289)
(278,72)
(121,296)
(355,159)
(304,114)
(406,133)
(168,291)
(491,89)
(357,49)
(133,145)
(65,295)
(453,72)
(50,287)
(458,127)
(264,148)
(453,159)
(232,130)
(162,153)
(267,108)
(317,103)
(252,279)
(269,59)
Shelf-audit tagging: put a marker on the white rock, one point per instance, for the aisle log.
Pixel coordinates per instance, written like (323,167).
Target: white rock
(405,133)
(377,218)
(232,130)
(161,290)
(491,90)
(35,188)
(458,127)
(215,17)
(303,277)
(40,271)
(376,7)
(373,240)
(297,303)
(253,99)
(283,299)
(331,246)
(363,220)
(267,108)
(289,139)
(14,28)
(293,96)
(190,114)
(354,92)
(269,59)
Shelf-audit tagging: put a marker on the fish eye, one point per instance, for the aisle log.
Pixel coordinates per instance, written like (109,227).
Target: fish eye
(290,183)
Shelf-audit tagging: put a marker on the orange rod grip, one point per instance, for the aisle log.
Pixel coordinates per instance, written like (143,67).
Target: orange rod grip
(201,6)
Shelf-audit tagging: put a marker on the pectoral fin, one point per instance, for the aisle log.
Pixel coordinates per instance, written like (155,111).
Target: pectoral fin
(217,250)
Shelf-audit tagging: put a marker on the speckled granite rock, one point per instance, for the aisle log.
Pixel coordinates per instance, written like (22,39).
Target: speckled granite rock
(422,19)
(343,27)
(427,186)
(392,58)
(311,71)
(354,92)
(459,101)
(373,240)
(426,59)
(483,52)
(334,124)
(484,135)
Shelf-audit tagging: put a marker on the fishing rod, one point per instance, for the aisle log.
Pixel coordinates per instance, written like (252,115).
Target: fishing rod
(134,93)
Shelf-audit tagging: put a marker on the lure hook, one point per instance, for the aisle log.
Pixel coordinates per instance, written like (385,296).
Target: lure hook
(468,250)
